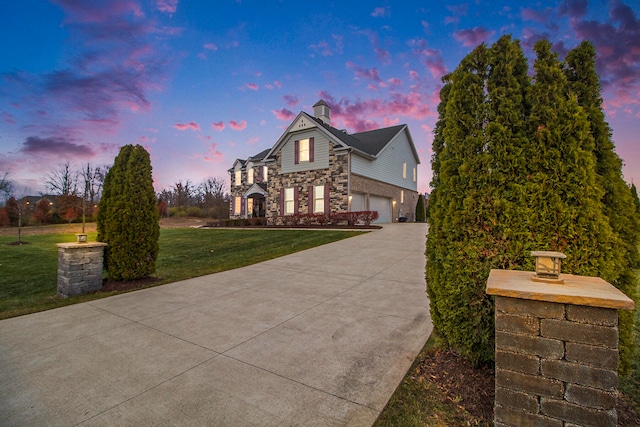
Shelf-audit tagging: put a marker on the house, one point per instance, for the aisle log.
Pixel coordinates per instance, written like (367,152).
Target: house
(316,168)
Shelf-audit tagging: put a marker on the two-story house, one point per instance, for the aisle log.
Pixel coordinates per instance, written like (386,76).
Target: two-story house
(316,168)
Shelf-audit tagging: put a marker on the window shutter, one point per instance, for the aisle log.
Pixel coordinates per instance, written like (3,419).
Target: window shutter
(296,152)
(295,200)
(259,174)
(311,201)
(327,198)
(311,150)
(282,202)
(242,208)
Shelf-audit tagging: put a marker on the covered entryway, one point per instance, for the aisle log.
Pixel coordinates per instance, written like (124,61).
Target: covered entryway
(256,201)
(383,206)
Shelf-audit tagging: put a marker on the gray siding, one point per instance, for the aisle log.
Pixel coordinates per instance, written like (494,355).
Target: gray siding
(320,155)
(388,166)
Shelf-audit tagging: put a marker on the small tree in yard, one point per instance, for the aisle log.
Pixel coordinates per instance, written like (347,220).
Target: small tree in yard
(128,216)
(41,213)
(420,211)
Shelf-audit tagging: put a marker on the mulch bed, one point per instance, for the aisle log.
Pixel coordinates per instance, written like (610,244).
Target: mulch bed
(474,388)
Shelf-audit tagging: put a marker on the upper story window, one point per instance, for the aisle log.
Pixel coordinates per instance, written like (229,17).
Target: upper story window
(401,196)
(304,150)
(265,173)
(238,179)
(250,176)
(415,175)
(404,170)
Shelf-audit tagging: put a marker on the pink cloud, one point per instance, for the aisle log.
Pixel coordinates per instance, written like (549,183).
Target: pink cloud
(202,56)
(187,126)
(538,16)
(283,114)
(413,75)
(58,147)
(365,73)
(241,125)
(213,154)
(326,48)
(269,86)
(394,81)
(252,86)
(457,11)
(380,12)
(361,115)
(291,100)
(210,46)
(217,126)
(167,6)
(387,122)
(8,118)
(277,84)
(253,140)
(472,37)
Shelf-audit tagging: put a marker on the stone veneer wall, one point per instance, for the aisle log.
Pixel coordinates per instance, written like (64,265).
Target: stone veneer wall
(556,364)
(336,176)
(372,187)
(79,268)
(240,190)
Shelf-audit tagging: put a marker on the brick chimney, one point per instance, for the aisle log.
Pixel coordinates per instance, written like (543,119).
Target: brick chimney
(322,111)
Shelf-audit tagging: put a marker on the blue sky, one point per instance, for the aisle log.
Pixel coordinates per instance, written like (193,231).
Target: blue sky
(200,83)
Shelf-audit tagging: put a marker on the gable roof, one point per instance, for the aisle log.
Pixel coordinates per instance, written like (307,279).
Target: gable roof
(368,144)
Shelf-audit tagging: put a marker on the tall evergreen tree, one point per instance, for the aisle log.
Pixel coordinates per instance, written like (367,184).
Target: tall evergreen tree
(618,200)
(128,217)
(567,214)
(420,209)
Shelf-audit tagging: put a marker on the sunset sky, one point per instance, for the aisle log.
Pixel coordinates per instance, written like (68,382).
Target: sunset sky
(200,83)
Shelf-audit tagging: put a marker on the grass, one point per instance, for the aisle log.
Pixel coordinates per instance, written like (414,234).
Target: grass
(28,273)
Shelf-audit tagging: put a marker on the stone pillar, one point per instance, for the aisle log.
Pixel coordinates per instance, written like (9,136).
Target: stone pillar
(79,268)
(556,350)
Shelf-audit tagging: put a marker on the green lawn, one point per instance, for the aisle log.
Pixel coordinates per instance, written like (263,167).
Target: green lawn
(28,273)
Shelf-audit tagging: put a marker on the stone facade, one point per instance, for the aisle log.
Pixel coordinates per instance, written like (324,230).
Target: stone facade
(240,190)
(556,363)
(337,176)
(79,268)
(371,187)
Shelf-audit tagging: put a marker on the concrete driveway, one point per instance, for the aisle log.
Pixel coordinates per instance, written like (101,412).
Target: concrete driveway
(318,338)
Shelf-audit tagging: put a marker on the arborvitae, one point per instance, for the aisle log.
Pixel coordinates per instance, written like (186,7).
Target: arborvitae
(618,200)
(420,210)
(567,214)
(458,237)
(128,217)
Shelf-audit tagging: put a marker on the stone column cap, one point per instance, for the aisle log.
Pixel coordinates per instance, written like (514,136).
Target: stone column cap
(75,245)
(577,290)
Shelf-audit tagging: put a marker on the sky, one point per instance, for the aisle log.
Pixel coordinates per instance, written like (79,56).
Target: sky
(200,83)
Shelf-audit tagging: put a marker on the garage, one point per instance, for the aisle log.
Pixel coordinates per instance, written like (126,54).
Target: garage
(358,202)
(383,206)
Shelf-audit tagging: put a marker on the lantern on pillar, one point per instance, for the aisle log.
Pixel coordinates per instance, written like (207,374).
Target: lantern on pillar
(548,266)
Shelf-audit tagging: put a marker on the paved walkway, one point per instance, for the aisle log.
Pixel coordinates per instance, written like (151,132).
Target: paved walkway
(318,338)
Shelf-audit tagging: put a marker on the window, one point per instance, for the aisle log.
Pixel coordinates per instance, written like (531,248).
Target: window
(289,201)
(250,206)
(250,176)
(303,151)
(404,170)
(401,196)
(238,177)
(265,173)
(318,199)
(415,175)
(237,205)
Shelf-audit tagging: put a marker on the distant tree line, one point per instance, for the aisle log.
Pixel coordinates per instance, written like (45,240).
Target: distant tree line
(71,194)
(209,199)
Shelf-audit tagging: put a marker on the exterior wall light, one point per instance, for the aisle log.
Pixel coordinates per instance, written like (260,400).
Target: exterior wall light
(547,266)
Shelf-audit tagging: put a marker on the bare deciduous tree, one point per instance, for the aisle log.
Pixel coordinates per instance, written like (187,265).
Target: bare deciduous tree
(63,181)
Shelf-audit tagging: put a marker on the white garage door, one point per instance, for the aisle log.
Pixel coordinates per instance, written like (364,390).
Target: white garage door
(383,206)
(357,202)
